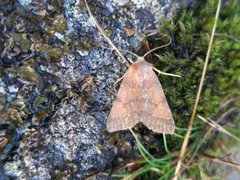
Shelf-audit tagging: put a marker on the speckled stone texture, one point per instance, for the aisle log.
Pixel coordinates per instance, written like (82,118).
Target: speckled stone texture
(69,142)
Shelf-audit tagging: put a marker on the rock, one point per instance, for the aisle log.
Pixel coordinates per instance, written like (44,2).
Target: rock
(68,67)
(72,142)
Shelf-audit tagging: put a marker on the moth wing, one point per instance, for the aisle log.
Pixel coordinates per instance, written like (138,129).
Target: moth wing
(123,114)
(156,114)
(141,99)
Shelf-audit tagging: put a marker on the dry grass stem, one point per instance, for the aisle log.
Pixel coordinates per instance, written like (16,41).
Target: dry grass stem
(223,116)
(104,34)
(222,161)
(218,127)
(186,139)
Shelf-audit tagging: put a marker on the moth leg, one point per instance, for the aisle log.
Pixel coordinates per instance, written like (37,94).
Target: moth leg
(117,81)
(167,74)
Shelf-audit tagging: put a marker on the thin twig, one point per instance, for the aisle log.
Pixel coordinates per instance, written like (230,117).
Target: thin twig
(186,139)
(218,127)
(129,52)
(222,161)
(230,158)
(203,139)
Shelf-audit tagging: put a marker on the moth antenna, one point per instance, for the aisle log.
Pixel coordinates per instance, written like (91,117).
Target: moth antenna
(165,45)
(117,81)
(167,74)
(129,52)
(104,34)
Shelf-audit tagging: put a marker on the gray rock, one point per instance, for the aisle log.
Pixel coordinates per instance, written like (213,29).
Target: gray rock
(73,142)
(72,145)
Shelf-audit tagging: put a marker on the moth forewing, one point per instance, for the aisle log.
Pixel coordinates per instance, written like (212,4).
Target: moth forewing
(141,99)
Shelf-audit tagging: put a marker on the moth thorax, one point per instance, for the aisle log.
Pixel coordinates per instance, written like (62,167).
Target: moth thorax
(141,59)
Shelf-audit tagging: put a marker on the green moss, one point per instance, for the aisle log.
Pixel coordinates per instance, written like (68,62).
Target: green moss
(190,32)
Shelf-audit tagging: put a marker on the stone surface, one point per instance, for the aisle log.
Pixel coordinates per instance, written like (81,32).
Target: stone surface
(56,85)
(72,142)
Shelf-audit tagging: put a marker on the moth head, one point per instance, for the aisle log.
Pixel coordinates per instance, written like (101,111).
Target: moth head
(141,58)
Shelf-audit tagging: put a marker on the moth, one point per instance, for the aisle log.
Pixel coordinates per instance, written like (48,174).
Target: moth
(141,99)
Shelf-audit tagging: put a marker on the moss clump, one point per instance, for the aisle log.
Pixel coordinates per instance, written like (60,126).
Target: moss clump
(190,31)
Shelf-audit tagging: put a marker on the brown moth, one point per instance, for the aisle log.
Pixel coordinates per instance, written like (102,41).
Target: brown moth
(141,99)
